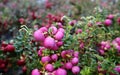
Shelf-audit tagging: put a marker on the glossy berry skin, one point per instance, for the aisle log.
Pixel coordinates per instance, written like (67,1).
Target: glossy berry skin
(75,69)
(9,48)
(108,22)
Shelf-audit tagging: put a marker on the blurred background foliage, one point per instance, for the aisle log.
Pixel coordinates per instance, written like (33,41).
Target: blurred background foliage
(14,13)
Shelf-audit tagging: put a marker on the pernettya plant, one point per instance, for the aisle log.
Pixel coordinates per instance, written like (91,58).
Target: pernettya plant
(89,46)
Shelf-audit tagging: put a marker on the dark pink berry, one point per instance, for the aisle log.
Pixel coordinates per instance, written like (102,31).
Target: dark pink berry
(108,22)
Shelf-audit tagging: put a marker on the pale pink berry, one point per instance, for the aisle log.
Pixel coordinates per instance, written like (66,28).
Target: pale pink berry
(38,36)
(43,29)
(75,61)
(75,69)
(45,59)
(68,65)
(61,71)
(60,25)
(102,52)
(110,16)
(35,72)
(61,29)
(76,54)
(49,42)
(53,30)
(59,35)
(49,67)
(54,57)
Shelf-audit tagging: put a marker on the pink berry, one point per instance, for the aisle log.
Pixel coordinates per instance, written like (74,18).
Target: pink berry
(53,30)
(35,72)
(45,59)
(63,54)
(38,36)
(110,16)
(75,69)
(75,61)
(59,43)
(102,52)
(21,20)
(68,65)
(49,67)
(108,22)
(49,42)
(59,35)
(54,57)
(118,48)
(117,68)
(43,29)
(79,31)
(81,45)
(73,22)
(76,54)
(55,47)
(99,24)
(40,51)
(61,29)
(60,25)
(61,71)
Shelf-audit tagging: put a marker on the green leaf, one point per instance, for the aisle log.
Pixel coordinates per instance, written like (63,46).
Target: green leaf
(57,64)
